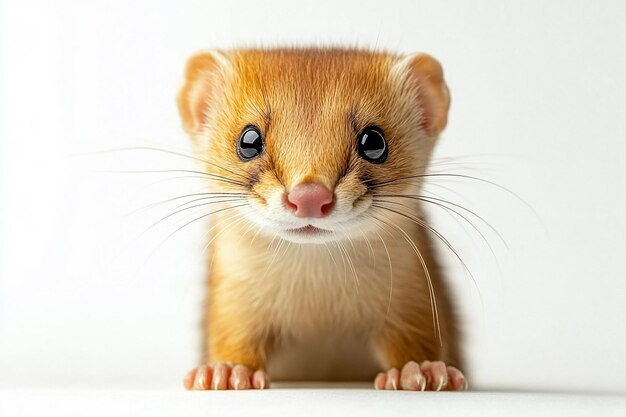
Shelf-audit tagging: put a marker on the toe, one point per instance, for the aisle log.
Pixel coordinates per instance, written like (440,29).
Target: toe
(393,379)
(260,380)
(381,379)
(240,378)
(456,380)
(202,381)
(436,374)
(411,377)
(221,373)
(190,378)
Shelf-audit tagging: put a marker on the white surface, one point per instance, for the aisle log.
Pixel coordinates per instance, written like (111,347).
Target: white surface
(319,401)
(538,94)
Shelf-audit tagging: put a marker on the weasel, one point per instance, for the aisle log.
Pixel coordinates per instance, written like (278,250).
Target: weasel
(321,263)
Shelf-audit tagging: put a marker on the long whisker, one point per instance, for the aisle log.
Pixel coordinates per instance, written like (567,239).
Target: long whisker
(273,257)
(390,272)
(238,219)
(480,233)
(424,225)
(431,290)
(255,235)
(149,148)
(331,254)
(443,202)
(199,218)
(200,174)
(343,260)
(462,176)
(234,197)
(350,264)
(218,224)
(443,187)
(442,239)
(451,210)
(169,200)
(428,227)
(370,252)
(189,208)
(245,232)
(197,177)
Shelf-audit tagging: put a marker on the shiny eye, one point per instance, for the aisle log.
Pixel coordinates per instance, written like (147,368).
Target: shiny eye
(372,145)
(250,143)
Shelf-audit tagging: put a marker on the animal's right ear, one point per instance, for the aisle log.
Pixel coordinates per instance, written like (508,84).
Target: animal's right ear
(204,81)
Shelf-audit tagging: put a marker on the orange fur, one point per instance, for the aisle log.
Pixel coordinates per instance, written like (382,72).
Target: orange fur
(269,297)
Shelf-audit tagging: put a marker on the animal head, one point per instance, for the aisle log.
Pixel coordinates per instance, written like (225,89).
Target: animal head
(307,138)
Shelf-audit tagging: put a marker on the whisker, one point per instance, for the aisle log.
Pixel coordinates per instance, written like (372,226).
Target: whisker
(331,255)
(441,238)
(351,243)
(169,200)
(354,251)
(443,187)
(199,218)
(441,203)
(462,176)
(425,226)
(149,148)
(343,260)
(431,290)
(273,257)
(370,253)
(255,235)
(233,197)
(188,208)
(197,174)
(481,234)
(350,264)
(219,223)
(245,232)
(239,217)
(196,177)
(390,272)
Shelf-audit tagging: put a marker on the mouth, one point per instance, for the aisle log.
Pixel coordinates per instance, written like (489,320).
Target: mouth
(309,230)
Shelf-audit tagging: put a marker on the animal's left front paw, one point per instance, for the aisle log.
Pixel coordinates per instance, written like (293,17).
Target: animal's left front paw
(431,376)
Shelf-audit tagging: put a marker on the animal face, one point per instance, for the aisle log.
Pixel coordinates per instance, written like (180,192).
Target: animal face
(304,139)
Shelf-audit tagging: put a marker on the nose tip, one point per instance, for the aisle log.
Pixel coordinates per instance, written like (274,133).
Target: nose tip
(310,200)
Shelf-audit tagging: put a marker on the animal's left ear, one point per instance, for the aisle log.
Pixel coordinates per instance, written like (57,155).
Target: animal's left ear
(424,75)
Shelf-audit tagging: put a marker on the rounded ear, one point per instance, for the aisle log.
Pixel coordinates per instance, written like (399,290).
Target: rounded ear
(425,75)
(204,80)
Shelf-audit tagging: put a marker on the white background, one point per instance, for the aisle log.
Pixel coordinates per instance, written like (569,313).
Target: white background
(538,106)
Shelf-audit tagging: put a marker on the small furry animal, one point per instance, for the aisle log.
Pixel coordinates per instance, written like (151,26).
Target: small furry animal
(321,263)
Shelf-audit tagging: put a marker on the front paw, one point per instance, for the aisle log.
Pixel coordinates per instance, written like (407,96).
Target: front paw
(225,375)
(431,376)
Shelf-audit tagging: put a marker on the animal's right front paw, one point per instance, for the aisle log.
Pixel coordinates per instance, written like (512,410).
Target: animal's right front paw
(225,375)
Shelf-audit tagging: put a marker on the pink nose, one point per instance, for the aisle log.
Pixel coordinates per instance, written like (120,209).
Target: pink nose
(310,200)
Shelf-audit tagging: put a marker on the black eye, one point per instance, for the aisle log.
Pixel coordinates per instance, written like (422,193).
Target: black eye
(250,143)
(372,145)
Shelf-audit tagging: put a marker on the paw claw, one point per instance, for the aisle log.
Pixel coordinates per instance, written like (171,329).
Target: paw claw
(393,376)
(432,376)
(260,380)
(422,383)
(380,381)
(441,383)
